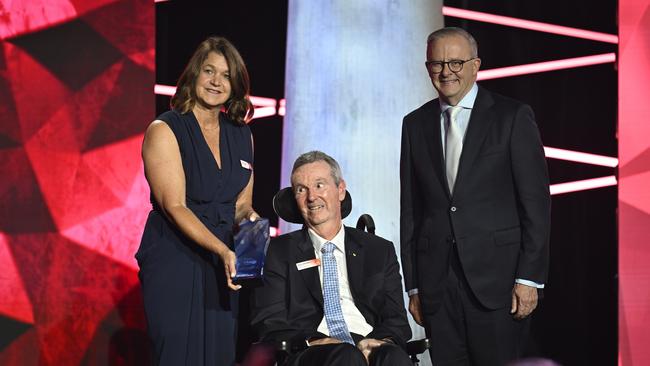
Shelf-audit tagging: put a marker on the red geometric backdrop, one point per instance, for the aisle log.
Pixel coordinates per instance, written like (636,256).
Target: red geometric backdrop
(634,183)
(76,82)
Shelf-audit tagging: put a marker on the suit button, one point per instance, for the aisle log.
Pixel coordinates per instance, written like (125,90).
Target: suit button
(453,209)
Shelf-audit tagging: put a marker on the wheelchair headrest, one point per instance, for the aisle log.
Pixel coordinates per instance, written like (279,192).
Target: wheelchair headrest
(284,205)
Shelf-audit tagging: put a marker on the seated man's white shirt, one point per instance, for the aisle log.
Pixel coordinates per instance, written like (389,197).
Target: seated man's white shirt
(353,317)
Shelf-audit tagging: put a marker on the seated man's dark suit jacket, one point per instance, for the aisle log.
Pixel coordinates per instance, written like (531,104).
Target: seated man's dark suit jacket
(498,218)
(290,304)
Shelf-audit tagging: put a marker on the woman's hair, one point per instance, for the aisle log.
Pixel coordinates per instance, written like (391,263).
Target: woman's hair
(238,107)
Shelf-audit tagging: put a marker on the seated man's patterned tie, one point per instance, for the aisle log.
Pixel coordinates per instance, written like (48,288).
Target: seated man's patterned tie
(333,313)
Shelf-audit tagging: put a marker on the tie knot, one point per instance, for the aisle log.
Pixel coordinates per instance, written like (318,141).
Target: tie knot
(328,247)
(452,112)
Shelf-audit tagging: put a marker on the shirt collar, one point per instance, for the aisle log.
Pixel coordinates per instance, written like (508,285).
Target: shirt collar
(338,240)
(467,102)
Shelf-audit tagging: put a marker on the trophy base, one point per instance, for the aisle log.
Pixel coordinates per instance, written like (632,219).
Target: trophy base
(248,282)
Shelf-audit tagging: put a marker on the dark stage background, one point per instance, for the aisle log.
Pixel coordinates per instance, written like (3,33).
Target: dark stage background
(76,85)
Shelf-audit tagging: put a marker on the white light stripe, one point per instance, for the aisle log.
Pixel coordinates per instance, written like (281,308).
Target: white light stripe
(274,231)
(263,102)
(582,185)
(580,157)
(283,108)
(568,63)
(529,24)
(164,90)
(262,112)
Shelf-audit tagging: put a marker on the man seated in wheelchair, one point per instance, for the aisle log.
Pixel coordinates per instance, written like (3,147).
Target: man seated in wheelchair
(334,292)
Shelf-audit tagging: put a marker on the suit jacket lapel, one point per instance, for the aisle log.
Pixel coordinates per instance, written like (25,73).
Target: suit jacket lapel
(310,275)
(434,142)
(354,258)
(479,123)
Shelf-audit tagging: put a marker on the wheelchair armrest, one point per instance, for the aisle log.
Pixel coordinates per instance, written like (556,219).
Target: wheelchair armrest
(412,347)
(282,346)
(287,347)
(416,347)
(269,353)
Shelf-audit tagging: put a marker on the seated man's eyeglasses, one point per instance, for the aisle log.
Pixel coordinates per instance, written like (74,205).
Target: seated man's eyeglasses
(435,67)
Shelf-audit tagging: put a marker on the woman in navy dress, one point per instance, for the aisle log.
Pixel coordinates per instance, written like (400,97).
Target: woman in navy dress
(198,160)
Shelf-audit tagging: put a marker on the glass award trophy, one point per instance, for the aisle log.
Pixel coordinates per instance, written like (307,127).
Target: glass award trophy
(251,243)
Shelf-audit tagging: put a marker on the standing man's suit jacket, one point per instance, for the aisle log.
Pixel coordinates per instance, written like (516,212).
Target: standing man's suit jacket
(499,215)
(290,304)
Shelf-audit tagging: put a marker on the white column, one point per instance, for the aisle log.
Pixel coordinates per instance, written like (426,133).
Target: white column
(354,69)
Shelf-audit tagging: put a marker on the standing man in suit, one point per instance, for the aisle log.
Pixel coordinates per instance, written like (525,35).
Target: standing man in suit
(475,211)
(334,289)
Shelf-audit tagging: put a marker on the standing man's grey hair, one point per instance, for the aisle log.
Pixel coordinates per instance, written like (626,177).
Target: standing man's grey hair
(454,31)
(314,156)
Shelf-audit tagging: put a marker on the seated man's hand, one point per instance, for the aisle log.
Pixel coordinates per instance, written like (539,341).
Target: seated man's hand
(366,346)
(322,341)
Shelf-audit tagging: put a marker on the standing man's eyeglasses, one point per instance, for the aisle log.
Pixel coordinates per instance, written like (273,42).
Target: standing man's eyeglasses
(436,67)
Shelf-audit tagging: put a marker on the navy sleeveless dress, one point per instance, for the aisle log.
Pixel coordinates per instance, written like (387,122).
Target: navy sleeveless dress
(191,313)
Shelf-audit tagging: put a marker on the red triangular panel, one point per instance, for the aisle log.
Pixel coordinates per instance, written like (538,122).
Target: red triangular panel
(37,93)
(71,289)
(131,37)
(14,302)
(20,17)
(23,207)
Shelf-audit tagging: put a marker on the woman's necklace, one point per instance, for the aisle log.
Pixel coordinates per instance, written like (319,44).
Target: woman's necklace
(216,127)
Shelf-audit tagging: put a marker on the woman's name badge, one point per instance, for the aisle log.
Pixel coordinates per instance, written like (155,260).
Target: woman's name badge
(308,264)
(245,164)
